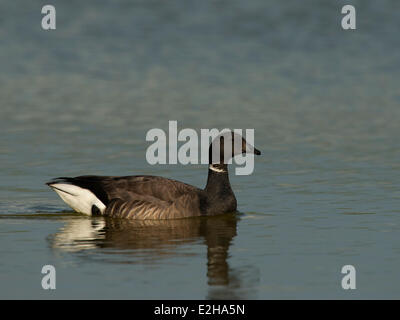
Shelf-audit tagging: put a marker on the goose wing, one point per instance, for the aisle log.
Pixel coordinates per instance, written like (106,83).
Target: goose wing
(148,188)
(157,187)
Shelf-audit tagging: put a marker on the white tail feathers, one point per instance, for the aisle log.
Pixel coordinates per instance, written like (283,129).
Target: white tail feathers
(79,199)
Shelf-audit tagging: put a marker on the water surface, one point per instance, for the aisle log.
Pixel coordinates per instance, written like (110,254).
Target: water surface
(324,104)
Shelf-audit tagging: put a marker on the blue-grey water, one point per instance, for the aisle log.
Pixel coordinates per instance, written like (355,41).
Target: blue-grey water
(325,106)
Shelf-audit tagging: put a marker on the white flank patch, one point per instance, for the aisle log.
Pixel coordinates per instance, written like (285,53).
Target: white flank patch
(79,199)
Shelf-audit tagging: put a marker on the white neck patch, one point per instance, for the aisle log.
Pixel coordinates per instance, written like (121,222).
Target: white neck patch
(215,169)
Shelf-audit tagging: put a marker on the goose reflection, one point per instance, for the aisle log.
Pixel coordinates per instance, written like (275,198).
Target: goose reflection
(139,241)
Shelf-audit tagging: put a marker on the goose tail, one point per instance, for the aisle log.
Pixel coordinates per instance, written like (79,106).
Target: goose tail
(77,196)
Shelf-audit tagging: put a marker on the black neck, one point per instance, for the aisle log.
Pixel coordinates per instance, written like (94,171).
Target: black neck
(218,179)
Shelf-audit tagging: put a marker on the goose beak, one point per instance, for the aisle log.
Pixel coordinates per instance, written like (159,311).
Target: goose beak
(251,149)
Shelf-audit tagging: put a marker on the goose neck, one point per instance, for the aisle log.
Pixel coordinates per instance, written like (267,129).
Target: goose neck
(218,179)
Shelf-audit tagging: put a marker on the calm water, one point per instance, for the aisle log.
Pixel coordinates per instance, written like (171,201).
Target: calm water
(324,104)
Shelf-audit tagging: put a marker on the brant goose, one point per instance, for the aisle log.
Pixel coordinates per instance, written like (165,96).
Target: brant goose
(152,197)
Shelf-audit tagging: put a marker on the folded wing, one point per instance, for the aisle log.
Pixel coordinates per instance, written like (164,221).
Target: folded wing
(135,197)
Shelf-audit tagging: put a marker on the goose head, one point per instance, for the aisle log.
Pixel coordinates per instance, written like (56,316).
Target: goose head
(227,145)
